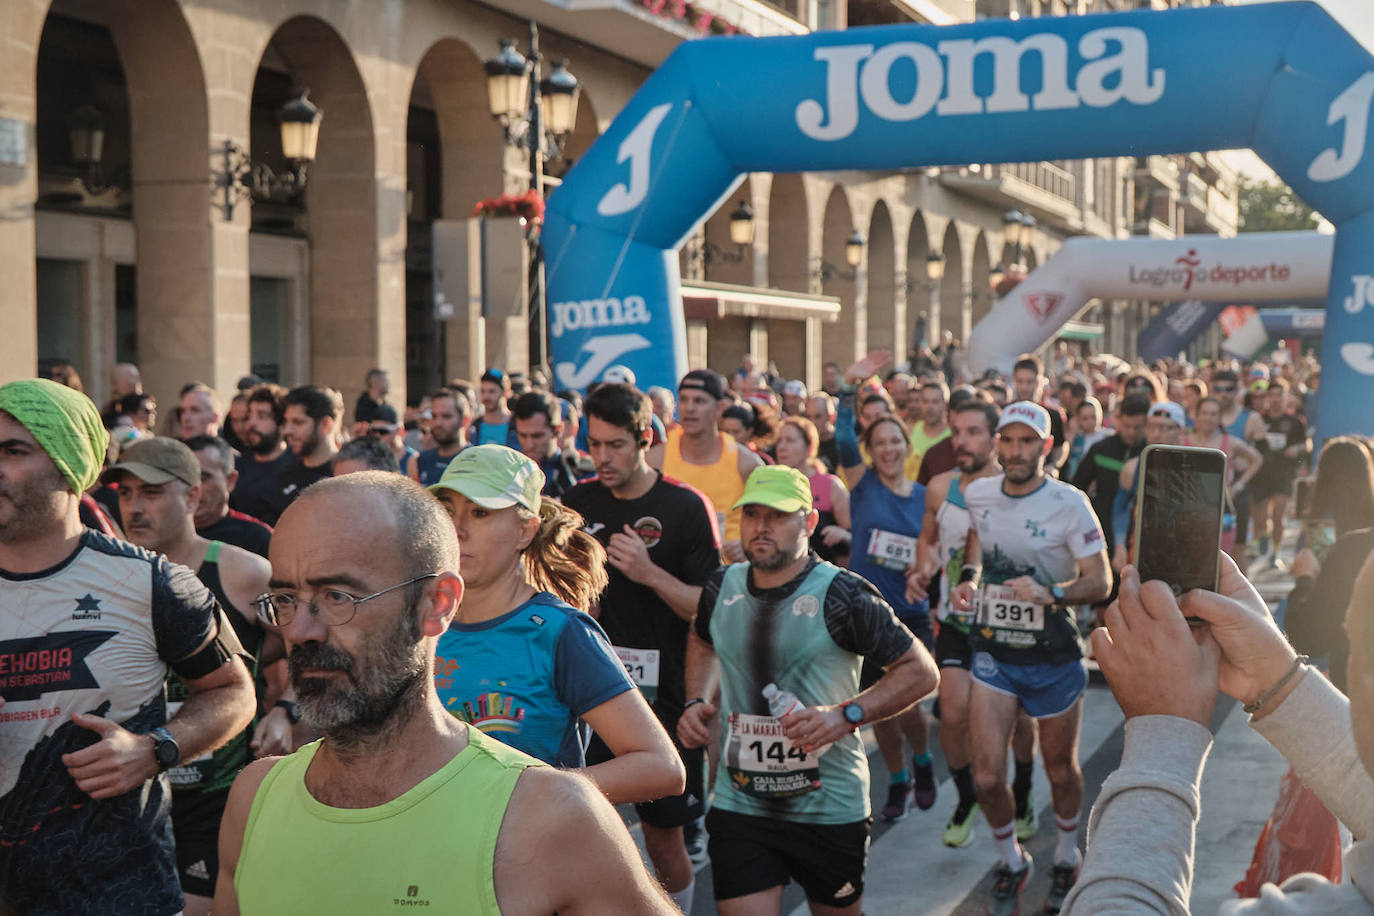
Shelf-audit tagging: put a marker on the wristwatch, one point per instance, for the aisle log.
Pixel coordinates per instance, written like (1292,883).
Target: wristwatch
(853,713)
(1057,592)
(165,748)
(293,712)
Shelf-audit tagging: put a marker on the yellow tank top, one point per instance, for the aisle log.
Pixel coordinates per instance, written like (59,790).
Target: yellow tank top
(720,481)
(433,847)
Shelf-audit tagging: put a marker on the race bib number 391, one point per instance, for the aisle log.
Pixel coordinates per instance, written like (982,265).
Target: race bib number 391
(764,763)
(997,606)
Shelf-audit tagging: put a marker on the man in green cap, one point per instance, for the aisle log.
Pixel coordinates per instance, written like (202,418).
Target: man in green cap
(88,627)
(791,797)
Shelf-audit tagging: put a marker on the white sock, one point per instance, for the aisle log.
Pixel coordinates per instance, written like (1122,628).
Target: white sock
(1008,847)
(1066,847)
(683,898)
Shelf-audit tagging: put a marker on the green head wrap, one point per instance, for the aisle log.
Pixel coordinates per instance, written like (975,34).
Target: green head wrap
(64,422)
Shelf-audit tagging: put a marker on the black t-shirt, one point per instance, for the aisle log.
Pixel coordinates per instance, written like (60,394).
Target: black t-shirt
(240,530)
(291,483)
(678,526)
(1099,475)
(255,493)
(1280,433)
(96,634)
(365,411)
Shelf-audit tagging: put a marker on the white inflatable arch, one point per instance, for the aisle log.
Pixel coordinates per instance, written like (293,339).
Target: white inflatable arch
(1248,268)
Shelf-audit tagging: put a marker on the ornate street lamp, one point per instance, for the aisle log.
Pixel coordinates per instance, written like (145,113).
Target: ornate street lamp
(538,115)
(241,177)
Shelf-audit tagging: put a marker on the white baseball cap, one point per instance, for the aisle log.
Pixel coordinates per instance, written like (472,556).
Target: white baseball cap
(1171,411)
(1029,413)
(795,387)
(619,375)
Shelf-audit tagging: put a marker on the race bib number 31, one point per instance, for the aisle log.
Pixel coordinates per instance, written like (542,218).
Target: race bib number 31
(997,606)
(762,762)
(890,550)
(642,667)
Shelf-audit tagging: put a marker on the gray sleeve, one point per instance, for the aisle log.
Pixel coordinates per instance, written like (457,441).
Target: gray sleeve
(1142,830)
(1312,730)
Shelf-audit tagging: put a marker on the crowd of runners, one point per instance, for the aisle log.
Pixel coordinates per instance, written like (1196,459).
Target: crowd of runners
(505,609)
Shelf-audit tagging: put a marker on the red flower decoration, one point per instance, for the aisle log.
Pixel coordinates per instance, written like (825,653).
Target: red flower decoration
(528,205)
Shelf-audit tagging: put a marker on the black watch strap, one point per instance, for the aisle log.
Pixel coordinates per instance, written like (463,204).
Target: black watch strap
(692,702)
(293,712)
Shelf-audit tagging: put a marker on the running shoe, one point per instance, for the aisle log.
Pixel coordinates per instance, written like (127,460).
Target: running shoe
(1026,822)
(959,831)
(1007,887)
(924,778)
(1062,877)
(898,801)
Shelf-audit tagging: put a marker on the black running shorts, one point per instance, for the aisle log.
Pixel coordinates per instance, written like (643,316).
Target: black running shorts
(752,854)
(952,649)
(195,825)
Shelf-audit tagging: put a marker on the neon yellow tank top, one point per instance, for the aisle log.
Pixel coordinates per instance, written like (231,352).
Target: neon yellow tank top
(720,481)
(432,847)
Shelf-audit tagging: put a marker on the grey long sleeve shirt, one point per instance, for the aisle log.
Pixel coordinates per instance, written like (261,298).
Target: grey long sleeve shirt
(1141,834)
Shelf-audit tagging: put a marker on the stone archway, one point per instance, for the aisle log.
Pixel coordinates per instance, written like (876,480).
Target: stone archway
(883,329)
(351,326)
(158,130)
(979,284)
(454,157)
(918,289)
(954,317)
(846,339)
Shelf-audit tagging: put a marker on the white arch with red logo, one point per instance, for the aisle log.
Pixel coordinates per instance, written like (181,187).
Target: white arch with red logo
(1248,268)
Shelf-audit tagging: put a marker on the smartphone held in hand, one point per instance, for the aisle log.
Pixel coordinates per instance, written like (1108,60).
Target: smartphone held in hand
(1178,516)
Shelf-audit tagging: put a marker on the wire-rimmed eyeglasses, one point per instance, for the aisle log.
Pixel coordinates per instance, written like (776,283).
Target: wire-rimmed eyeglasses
(334,605)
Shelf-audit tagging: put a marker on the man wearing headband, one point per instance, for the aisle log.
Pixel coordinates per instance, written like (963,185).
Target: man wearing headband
(88,628)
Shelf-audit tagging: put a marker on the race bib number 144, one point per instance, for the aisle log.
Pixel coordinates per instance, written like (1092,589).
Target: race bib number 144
(764,763)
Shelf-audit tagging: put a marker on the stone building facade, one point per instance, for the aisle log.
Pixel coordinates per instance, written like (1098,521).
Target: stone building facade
(139,259)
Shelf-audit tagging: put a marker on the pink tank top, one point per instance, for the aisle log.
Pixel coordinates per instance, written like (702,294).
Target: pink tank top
(821,490)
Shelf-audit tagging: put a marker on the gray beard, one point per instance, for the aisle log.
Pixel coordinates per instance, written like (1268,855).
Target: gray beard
(374,704)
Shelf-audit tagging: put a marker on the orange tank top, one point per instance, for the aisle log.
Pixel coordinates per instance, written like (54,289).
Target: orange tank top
(719,481)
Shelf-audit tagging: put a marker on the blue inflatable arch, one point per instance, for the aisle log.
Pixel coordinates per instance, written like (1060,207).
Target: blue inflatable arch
(1282,78)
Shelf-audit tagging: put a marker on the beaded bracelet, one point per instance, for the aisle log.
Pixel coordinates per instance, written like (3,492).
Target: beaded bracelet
(1259,701)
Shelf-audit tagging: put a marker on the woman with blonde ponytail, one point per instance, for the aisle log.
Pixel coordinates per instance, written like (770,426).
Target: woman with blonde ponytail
(522,660)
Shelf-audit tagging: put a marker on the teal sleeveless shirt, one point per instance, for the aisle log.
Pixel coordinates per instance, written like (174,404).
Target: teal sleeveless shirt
(759,774)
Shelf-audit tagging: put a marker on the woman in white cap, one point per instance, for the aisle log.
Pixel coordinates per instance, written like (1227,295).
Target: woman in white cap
(522,660)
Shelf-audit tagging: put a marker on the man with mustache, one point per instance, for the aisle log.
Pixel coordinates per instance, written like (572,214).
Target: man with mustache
(267,455)
(661,546)
(88,628)
(159,487)
(1036,550)
(783,810)
(401,803)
